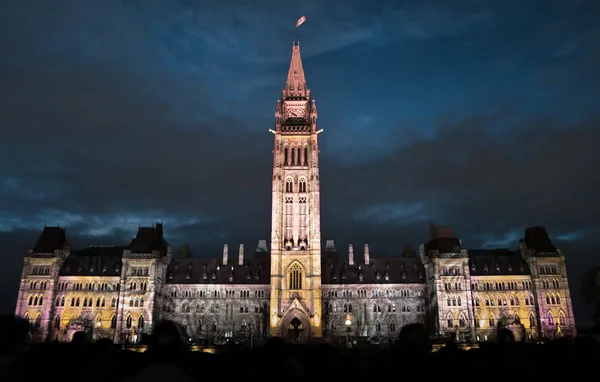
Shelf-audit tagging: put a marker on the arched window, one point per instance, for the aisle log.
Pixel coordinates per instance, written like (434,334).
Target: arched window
(38,321)
(392,326)
(561,318)
(377,326)
(531,320)
(295,277)
(128,322)
(550,318)
(450,320)
(517,319)
(141,322)
(289,185)
(98,321)
(113,322)
(305,156)
(57,322)
(302,185)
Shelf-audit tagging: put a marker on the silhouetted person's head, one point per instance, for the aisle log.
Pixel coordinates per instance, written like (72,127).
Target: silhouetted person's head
(103,346)
(505,336)
(14,335)
(414,338)
(79,338)
(166,342)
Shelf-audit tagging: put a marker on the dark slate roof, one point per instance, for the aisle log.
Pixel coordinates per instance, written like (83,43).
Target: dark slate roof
(444,245)
(537,238)
(212,271)
(51,239)
(498,262)
(148,239)
(399,269)
(94,261)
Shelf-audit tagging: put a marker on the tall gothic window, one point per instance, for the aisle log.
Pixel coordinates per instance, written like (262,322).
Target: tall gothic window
(295,277)
(289,218)
(302,185)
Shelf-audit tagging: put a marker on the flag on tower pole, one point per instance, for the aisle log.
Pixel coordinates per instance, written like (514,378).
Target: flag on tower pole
(300,21)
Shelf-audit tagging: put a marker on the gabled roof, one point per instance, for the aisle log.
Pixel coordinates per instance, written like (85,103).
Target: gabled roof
(94,261)
(444,245)
(149,239)
(489,262)
(537,238)
(212,271)
(396,270)
(51,239)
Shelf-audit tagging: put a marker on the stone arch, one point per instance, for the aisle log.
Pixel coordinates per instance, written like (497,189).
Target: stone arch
(449,320)
(550,318)
(289,184)
(295,324)
(302,184)
(562,318)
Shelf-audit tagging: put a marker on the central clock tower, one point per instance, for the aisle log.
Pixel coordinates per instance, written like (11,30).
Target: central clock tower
(295,226)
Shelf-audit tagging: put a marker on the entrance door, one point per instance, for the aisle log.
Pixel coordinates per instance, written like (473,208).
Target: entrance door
(295,329)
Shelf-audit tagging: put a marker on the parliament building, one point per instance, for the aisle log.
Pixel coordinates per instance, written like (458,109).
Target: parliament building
(293,287)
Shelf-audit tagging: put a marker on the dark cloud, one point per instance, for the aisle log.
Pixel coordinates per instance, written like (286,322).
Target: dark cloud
(110,128)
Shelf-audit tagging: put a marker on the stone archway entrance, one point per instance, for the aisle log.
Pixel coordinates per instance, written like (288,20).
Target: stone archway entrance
(296,326)
(295,329)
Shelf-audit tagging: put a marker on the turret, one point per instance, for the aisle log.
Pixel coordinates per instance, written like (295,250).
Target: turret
(367,254)
(350,254)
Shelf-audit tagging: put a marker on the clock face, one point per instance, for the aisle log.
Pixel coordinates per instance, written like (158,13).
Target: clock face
(296,113)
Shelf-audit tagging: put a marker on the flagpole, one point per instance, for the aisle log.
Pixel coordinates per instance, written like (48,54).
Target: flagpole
(300,21)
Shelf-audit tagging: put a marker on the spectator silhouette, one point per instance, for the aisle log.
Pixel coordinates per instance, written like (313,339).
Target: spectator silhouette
(414,339)
(167,351)
(14,338)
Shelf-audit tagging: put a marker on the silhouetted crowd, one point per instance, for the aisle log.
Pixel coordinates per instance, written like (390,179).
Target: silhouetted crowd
(411,357)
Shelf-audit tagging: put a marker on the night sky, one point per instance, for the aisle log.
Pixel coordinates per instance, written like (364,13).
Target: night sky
(482,115)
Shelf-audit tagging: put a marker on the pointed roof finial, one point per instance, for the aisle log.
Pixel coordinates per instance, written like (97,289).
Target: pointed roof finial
(295,86)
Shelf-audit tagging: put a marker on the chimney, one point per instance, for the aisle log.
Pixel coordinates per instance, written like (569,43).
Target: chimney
(241,260)
(225,253)
(366,254)
(350,254)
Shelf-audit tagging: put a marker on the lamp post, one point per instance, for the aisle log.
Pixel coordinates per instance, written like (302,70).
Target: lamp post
(348,324)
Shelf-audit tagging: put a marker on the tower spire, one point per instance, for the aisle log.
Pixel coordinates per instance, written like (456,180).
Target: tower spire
(295,86)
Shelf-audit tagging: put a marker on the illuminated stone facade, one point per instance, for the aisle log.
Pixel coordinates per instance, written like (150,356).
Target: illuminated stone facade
(295,289)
